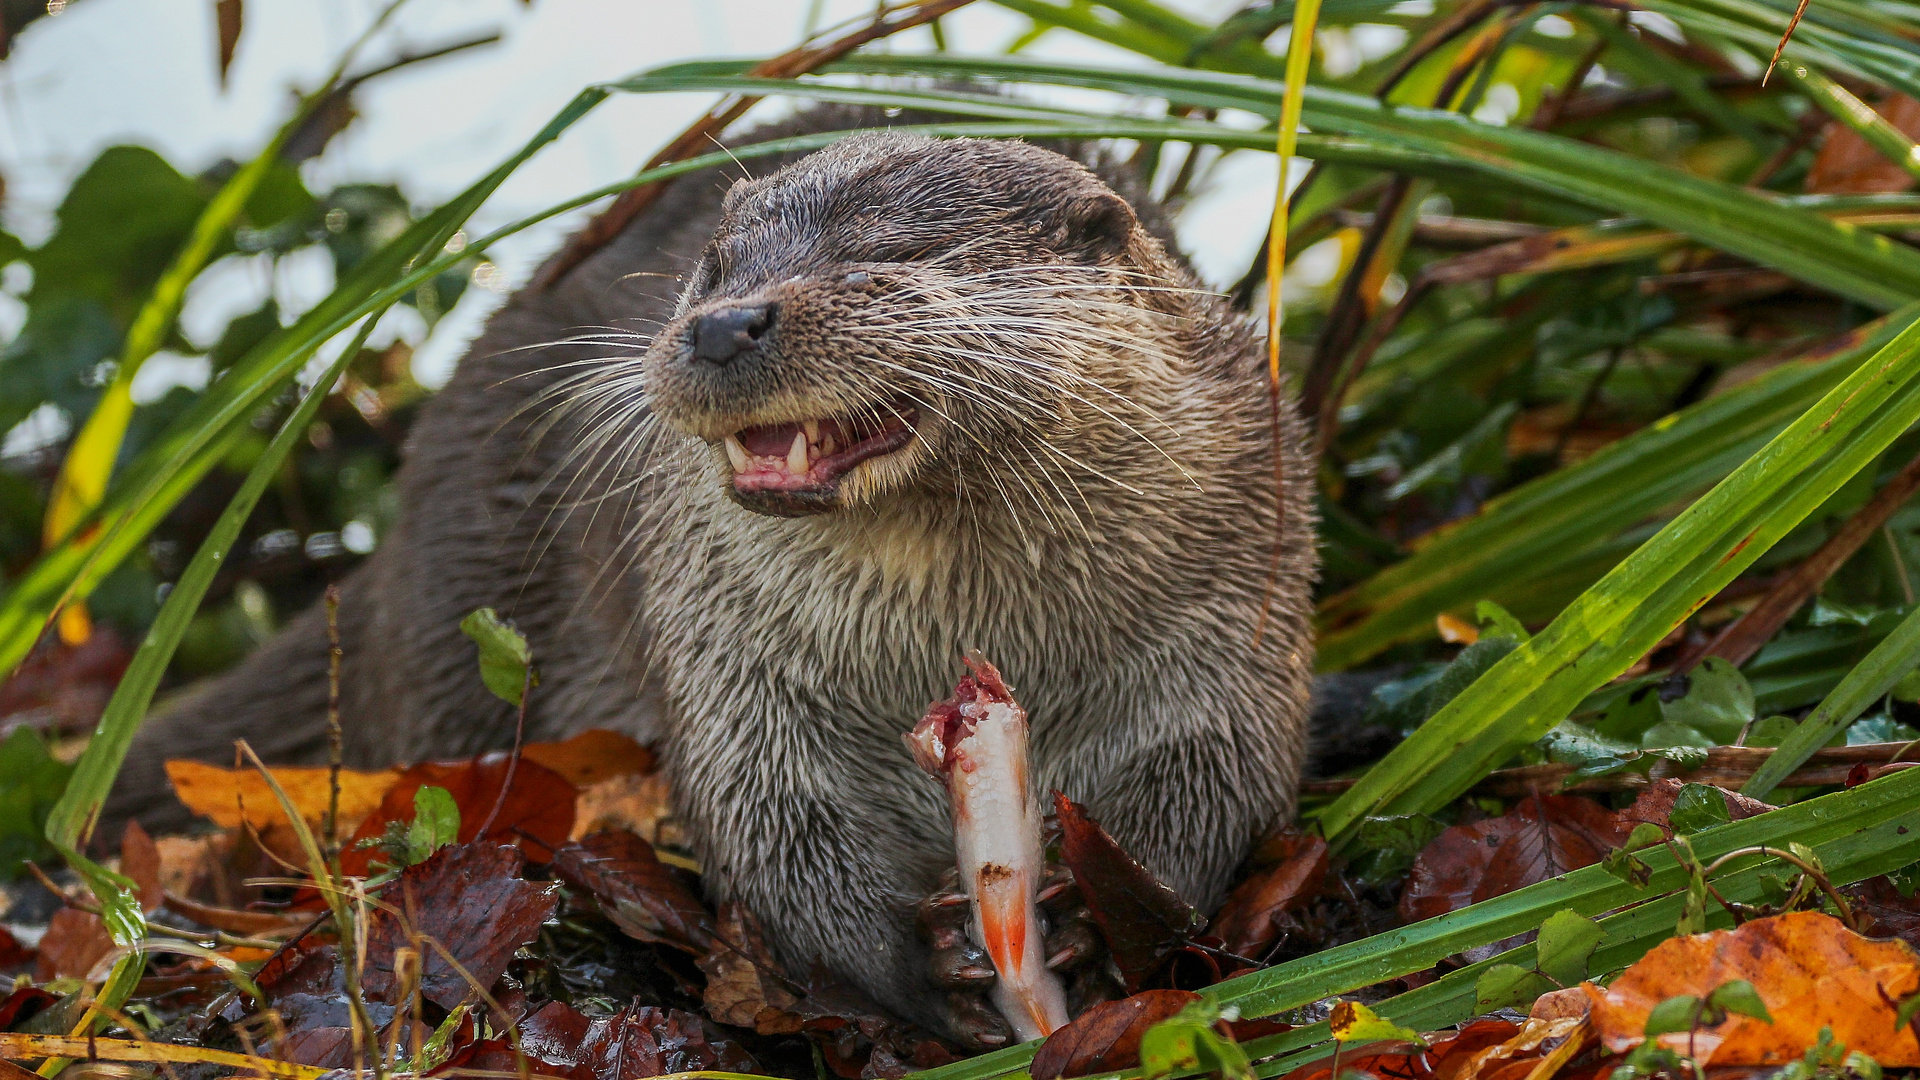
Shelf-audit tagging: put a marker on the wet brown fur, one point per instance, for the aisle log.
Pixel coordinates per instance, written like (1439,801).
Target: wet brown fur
(1090,502)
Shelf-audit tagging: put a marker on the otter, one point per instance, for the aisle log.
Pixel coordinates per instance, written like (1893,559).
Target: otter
(754,476)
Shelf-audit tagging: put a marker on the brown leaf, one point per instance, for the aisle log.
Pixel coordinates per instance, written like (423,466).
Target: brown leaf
(1809,969)
(636,890)
(1541,837)
(1886,911)
(638,1041)
(227,15)
(1142,919)
(1246,922)
(744,986)
(230,797)
(639,804)
(1655,804)
(1848,164)
(1107,1036)
(468,898)
(537,814)
(140,861)
(75,943)
(592,756)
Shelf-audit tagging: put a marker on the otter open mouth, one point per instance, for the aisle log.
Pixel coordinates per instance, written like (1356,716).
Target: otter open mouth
(794,467)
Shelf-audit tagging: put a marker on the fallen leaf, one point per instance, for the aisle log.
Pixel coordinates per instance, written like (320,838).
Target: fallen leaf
(638,1041)
(1887,912)
(68,684)
(1809,970)
(22,1004)
(1247,922)
(1142,919)
(1107,1036)
(75,943)
(744,986)
(1848,164)
(636,890)
(640,804)
(1656,803)
(140,861)
(470,900)
(12,954)
(232,797)
(1543,836)
(537,814)
(592,757)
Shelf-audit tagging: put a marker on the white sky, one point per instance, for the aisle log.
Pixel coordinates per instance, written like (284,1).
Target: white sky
(143,71)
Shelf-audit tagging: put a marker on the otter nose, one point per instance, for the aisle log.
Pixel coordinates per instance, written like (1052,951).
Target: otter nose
(719,336)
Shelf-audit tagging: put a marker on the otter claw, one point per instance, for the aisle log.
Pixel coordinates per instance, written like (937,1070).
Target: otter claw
(977,1024)
(964,966)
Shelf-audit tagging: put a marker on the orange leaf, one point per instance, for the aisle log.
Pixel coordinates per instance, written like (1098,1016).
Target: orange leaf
(592,756)
(1847,164)
(230,796)
(1809,969)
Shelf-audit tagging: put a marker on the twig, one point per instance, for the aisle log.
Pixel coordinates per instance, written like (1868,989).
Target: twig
(330,842)
(1587,400)
(614,219)
(513,761)
(1548,114)
(1737,643)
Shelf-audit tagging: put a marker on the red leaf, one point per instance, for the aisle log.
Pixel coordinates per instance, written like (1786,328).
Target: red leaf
(639,1041)
(12,954)
(1655,804)
(23,1004)
(636,890)
(1107,1036)
(468,898)
(1542,837)
(537,815)
(1142,919)
(1246,922)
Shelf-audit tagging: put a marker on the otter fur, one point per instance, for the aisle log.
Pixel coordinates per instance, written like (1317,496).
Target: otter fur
(1030,431)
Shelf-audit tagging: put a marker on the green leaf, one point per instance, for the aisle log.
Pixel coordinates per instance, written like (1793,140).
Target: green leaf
(1566,943)
(1387,846)
(1739,996)
(436,823)
(1698,806)
(1622,863)
(1717,701)
(1499,622)
(1510,986)
(31,780)
(1674,1014)
(1187,1042)
(505,659)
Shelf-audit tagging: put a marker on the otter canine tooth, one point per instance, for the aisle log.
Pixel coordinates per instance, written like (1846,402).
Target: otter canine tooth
(736,453)
(797,454)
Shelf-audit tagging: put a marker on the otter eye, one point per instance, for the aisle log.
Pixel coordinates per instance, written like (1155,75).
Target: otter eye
(859,277)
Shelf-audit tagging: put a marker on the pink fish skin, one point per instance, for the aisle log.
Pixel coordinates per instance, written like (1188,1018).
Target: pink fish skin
(976,741)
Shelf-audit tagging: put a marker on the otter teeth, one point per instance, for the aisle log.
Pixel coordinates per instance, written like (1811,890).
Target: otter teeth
(736,453)
(797,454)
(812,428)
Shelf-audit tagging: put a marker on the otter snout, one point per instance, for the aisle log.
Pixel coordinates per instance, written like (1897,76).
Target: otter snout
(723,335)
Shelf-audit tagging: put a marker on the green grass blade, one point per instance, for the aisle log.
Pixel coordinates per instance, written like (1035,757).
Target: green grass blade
(1879,133)
(1640,600)
(1891,660)
(1851,262)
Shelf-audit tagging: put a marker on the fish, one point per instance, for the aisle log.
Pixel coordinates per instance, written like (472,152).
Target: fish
(976,742)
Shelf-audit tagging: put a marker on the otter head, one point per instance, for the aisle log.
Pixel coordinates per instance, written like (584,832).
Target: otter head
(897,313)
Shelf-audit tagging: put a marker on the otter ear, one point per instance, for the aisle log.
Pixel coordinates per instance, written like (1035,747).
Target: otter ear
(1103,221)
